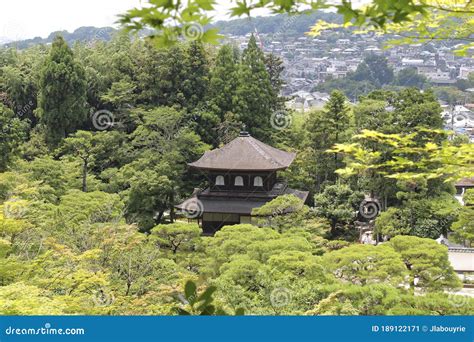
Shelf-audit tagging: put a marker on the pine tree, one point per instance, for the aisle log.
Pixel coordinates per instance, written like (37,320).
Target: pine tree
(62,93)
(275,67)
(326,128)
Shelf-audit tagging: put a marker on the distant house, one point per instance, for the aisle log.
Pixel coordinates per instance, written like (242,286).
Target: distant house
(407,62)
(464,71)
(304,101)
(242,176)
(438,76)
(373,49)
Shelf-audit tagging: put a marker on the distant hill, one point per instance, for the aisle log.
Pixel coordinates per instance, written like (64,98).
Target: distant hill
(82,34)
(281,23)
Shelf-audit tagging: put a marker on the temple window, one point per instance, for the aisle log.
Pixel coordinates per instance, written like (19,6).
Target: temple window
(239,181)
(220,180)
(258,181)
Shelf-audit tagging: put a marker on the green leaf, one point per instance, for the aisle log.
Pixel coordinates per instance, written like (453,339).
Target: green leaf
(211,36)
(190,292)
(206,295)
(240,312)
(208,311)
(207,5)
(183,312)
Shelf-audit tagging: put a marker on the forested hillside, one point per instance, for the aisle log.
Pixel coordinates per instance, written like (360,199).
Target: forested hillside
(296,25)
(85,34)
(95,141)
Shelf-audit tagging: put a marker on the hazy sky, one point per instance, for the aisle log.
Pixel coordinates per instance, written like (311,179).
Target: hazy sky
(30,18)
(20,19)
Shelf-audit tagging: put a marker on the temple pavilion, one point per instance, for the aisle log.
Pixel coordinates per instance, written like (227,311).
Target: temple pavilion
(241,176)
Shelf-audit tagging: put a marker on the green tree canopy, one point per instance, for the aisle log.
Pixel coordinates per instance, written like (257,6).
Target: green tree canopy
(62,92)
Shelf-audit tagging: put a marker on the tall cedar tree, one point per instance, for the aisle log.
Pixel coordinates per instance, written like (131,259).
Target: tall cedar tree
(62,93)
(196,83)
(275,68)
(255,95)
(223,83)
(168,72)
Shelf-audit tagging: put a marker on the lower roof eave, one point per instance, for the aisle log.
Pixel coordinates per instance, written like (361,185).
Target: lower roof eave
(241,206)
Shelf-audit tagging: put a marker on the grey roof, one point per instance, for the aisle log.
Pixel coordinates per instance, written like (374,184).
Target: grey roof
(245,153)
(228,206)
(465,182)
(461,250)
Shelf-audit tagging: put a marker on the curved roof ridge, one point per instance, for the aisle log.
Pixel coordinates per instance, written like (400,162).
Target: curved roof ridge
(245,153)
(253,142)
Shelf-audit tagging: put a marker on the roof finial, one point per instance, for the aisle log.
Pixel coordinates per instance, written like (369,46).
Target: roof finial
(243,132)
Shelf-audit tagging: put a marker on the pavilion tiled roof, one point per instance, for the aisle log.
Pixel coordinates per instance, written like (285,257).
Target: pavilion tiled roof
(465,182)
(245,153)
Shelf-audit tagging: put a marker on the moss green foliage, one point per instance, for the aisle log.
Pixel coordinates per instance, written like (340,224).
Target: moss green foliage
(12,134)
